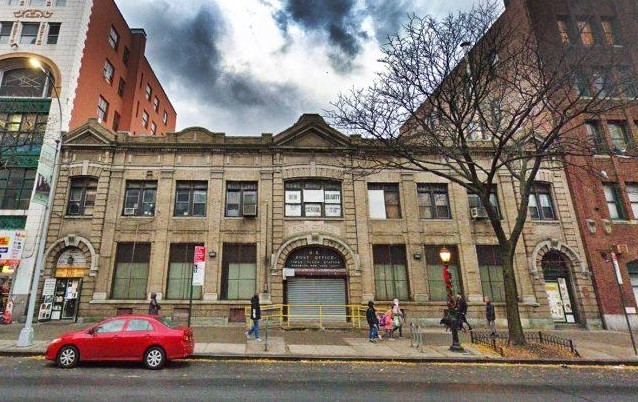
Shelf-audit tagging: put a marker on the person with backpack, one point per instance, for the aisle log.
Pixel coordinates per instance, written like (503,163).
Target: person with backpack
(490,315)
(255,315)
(373,322)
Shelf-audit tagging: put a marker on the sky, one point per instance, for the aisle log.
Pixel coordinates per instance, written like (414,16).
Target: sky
(246,67)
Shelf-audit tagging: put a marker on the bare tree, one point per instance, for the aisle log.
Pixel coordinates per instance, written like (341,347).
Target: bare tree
(475,94)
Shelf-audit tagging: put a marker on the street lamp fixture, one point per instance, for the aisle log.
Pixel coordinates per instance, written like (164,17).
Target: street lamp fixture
(26,334)
(446,256)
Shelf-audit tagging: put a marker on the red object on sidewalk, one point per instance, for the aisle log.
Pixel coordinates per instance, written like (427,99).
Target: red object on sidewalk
(8,312)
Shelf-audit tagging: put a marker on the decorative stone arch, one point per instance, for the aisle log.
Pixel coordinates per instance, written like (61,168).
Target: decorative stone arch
(52,253)
(47,63)
(85,170)
(320,239)
(544,247)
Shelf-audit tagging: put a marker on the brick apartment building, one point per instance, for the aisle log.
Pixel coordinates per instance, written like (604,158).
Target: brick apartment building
(92,66)
(604,187)
(282,216)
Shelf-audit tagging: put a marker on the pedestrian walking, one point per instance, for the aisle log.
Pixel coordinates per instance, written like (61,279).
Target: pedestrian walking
(373,322)
(490,315)
(397,318)
(461,312)
(255,315)
(388,323)
(153,305)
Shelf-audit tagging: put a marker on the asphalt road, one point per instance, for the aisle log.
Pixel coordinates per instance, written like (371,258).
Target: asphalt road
(36,379)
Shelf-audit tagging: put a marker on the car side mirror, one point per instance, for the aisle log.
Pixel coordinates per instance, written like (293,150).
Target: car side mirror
(93,330)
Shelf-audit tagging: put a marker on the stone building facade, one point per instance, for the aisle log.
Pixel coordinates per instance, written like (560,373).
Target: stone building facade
(284,216)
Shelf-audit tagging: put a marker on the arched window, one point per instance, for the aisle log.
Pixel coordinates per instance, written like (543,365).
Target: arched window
(21,80)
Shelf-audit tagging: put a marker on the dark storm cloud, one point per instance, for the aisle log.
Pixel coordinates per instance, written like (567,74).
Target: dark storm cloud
(387,16)
(186,56)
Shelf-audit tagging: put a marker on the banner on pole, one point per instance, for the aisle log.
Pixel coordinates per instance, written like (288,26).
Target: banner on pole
(199,263)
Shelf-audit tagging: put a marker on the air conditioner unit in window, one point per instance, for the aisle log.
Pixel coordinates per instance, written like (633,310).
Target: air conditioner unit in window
(250,209)
(478,213)
(129,211)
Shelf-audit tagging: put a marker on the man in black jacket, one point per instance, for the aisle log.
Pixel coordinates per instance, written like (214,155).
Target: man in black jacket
(373,321)
(461,311)
(490,315)
(255,315)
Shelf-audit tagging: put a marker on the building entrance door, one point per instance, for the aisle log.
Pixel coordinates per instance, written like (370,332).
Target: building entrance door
(65,298)
(558,287)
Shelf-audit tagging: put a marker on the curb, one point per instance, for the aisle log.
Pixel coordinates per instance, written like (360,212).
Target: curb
(373,359)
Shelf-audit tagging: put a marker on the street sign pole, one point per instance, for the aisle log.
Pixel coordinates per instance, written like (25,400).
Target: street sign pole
(619,281)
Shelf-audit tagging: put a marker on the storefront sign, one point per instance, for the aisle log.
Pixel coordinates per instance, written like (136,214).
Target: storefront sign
(199,262)
(11,245)
(315,258)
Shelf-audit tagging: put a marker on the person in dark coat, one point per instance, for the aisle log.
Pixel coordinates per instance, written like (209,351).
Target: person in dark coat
(255,315)
(490,315)
(153,305)
(373,322)
(461,311)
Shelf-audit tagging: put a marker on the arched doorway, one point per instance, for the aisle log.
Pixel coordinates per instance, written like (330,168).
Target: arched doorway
(316,284)
(61,294)
(558,285)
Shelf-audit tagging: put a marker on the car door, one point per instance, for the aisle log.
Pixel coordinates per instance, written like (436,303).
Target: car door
(103,340)
(137,337)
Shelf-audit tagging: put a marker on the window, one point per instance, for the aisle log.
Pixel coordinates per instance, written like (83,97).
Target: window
(180,272)
(383,199)
(149,91)
(632,270)
(139,198)
(562,30)
(108,327)
(139,325)
(632,194)
(153,128)
(540,202)
(475,202)
(36,2)
(29,32)
(614,203)
(313,198)
(241,198)
(155,103)
(116,121)
(13,83)
(120,87)
(16,185)
(434,202)
(125,56)
(165,118)
(108,71)
(626,83)
(490,262)
(82,196)
(593,129)
(610,31)
(586,34)
(145,119)
(5,31)
(619,135)
(390,272)
(60,3)
(239,271)
(602,83)
(190,198)
(434,266)
(54,33)
(102,109)
(581,84)
(131,271)
(114,38)
(26,122)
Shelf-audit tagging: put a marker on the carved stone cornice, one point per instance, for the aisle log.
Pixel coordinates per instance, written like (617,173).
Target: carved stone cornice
(32,13)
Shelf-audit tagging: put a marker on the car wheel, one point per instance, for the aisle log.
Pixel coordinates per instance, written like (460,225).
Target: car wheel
(154,358)
(68,357)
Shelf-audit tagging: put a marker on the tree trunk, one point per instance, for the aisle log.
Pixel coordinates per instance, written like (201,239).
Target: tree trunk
(516,335)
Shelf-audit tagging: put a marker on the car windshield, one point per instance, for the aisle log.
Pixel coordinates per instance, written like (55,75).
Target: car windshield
(168,322)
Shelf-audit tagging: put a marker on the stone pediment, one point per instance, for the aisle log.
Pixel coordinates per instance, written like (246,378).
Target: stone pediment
(311,132)
(89,134)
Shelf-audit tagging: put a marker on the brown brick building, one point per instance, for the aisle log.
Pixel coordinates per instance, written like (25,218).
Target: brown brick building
(604,186)
(283,216)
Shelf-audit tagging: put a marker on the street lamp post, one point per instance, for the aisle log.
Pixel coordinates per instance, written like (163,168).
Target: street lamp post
(26,334)
(446,255)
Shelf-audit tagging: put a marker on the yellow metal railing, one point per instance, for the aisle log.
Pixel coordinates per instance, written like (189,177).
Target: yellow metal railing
(312,314)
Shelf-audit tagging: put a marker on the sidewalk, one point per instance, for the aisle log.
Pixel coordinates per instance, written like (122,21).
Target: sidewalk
(229,342)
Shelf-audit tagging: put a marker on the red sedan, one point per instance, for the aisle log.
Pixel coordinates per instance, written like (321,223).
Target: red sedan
(147,338)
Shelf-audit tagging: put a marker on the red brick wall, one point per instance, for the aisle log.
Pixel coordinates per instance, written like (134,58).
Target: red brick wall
(92,85)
